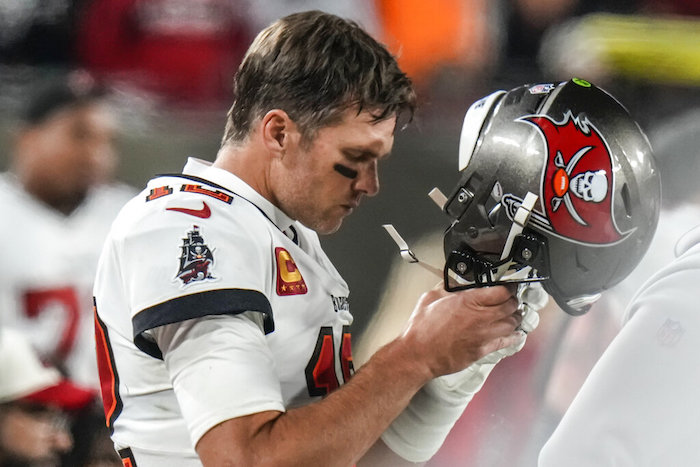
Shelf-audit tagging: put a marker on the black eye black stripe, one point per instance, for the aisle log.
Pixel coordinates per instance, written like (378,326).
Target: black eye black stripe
(345,171)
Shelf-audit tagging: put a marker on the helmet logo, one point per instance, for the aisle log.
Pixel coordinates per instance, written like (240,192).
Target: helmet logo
(577,180)
(589,186)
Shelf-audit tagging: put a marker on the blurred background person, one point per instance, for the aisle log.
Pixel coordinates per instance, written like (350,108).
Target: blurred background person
(36,404)
(59,199)
(58,202)
(180,51)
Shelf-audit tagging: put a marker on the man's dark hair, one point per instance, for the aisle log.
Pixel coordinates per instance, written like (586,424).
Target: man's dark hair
(315,66)
(72,89)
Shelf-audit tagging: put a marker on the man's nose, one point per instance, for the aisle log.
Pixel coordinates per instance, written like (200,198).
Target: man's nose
(367,181)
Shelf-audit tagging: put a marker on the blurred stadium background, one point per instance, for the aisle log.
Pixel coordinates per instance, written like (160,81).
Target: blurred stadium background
(170,64)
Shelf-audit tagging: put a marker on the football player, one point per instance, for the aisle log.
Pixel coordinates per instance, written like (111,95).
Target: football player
(223,330)
(58,203)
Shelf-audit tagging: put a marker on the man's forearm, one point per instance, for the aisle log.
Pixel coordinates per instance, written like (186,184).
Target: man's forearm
(335,431)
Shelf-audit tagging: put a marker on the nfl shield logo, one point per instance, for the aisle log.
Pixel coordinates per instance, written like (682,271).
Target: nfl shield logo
(670,333)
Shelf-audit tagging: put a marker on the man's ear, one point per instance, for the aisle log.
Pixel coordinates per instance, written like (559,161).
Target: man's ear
(278,131)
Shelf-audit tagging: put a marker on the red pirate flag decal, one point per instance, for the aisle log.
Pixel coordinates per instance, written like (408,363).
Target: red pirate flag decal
(289,280)
(578,180)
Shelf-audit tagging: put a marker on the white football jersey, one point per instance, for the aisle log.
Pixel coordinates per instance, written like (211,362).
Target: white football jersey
(49,263)
(200,246)
(638,406)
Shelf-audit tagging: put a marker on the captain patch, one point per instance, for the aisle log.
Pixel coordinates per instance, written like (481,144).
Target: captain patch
(289,279)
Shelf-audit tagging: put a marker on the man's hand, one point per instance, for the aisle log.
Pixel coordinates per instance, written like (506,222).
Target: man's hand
(531,299)
(448,331)
(491,322)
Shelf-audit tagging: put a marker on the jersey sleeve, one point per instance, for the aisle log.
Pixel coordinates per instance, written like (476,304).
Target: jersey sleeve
(221,368)
(176,266)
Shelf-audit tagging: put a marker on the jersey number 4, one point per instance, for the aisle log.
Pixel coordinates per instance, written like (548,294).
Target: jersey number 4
(321,374)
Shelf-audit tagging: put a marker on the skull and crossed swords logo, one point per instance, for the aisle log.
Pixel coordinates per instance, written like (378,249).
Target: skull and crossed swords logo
(590,186)
(578,174)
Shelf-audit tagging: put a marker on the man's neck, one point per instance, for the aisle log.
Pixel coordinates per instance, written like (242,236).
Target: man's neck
(248,164)
(64,203)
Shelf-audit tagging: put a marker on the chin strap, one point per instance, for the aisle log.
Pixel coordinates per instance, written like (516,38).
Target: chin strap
(581,304)
(440,199)
(406,252)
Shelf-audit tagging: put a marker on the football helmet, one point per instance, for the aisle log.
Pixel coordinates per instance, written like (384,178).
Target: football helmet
(558,184)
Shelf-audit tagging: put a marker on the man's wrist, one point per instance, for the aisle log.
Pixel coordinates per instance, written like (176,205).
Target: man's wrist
(402,356)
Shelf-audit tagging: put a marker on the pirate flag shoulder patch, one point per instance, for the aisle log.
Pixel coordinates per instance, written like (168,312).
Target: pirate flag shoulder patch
(196,259)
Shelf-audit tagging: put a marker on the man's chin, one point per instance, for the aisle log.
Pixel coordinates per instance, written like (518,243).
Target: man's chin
(325,226)
(328,230)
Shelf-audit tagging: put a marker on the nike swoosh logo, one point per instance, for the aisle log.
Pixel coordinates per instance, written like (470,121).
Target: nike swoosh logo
(203,213)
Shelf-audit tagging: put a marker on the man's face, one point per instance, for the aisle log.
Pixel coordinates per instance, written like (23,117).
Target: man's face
(312,183)
(33,434)
(62,157)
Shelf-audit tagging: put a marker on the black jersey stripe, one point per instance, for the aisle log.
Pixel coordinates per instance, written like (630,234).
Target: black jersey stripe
(198,305)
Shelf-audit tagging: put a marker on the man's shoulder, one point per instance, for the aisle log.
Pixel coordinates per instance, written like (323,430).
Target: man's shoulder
(20,206)
(180,201)
(673,287)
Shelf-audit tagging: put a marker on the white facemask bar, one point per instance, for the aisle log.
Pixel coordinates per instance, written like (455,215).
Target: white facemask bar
(522,216)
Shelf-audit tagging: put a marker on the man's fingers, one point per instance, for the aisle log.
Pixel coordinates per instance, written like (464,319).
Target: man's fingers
(493,296)
(505,324)
(514,338)
(530,320)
